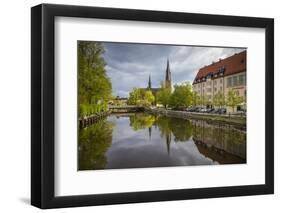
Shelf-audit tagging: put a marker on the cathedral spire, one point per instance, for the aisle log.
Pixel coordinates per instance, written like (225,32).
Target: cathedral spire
(168,80)
(168,72)
(149,82)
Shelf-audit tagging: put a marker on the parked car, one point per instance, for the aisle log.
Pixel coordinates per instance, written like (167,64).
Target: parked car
(219,111)
(203,110)
(210,110)
(196,109)
(192,109)
(215,111)
(222,111)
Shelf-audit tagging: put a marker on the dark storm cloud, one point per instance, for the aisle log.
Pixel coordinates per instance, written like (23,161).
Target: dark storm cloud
(129,65)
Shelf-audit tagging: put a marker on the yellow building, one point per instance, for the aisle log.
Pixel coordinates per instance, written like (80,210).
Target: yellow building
(221,77)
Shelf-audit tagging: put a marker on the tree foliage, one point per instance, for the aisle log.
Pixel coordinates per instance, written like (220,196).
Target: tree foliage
(182,96)
(219,100)
(141,97)
(163,96)
(233,99)
(196,99)
(94,85)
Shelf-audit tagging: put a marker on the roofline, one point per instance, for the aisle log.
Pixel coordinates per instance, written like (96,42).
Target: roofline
(244,70)
(219,61)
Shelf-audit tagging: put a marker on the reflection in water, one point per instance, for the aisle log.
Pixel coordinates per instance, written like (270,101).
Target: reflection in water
(222,143)
(94,141)
(143,140)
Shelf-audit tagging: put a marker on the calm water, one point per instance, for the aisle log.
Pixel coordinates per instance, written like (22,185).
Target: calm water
(143,140)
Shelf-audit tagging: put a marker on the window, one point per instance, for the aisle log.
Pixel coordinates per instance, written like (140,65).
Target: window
(235,81)
(215,82)
(215,89)
(242,79)
(221,81)
(229,82)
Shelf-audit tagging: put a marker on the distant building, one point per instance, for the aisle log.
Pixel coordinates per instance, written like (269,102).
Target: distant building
(222,76)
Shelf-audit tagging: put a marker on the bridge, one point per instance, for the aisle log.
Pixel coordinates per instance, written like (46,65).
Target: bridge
(125,108)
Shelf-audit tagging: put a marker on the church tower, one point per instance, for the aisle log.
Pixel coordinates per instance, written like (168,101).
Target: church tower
(149,83)
(168,80)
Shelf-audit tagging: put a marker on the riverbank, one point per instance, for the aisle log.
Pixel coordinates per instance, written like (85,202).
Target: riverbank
(235,120)
(89,120)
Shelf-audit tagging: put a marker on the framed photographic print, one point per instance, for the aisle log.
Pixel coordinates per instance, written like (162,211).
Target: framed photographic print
(140,106)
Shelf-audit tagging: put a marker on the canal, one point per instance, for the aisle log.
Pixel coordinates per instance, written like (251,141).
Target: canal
(139,140)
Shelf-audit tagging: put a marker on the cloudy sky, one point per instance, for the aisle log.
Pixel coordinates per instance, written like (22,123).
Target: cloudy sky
(129,65)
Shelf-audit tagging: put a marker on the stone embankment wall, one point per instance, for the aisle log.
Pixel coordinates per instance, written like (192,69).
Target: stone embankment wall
(236,120)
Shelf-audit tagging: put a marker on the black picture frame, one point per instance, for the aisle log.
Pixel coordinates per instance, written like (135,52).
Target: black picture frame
(43,105)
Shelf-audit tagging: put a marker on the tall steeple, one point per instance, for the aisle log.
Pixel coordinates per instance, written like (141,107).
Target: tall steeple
(149,83)
(168,80)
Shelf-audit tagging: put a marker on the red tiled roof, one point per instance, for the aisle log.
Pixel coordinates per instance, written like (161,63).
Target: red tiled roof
(232,65)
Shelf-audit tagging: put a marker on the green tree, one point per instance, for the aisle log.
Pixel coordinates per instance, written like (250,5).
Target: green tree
(134,96)
(94,86)
(141,97)
(233,99)
(182,96)
(205,100)
(219,100)
(196,100)
(149,97)
(163,96)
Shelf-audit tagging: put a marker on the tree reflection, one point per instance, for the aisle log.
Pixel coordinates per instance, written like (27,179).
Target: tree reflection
(141,121)
(93,144)
(180,128)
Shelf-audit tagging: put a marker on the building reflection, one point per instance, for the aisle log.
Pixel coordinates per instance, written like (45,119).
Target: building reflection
(221,143)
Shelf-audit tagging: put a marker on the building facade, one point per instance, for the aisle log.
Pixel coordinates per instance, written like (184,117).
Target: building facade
(221,77)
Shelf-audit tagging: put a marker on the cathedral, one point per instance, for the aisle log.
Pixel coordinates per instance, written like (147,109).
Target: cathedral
(167,83)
